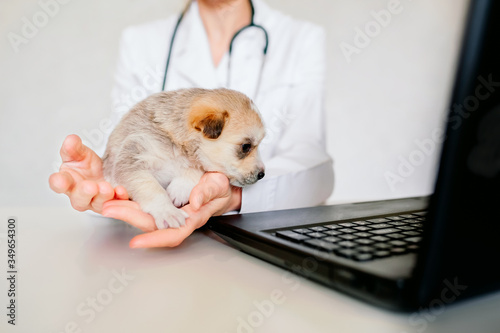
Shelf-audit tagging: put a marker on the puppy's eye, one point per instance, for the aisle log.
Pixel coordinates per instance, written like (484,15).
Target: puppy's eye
(246,147)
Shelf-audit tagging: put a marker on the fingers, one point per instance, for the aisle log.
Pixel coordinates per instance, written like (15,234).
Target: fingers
(86,194)
(105,192)
(170,237)
(121,193)
(130,212)
(73,149)
(82,195)
(212,186)
(61,182)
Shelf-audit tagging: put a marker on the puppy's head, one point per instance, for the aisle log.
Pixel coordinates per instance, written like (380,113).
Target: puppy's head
(230,130)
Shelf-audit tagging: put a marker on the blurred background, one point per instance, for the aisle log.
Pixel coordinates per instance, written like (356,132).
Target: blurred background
(389,81)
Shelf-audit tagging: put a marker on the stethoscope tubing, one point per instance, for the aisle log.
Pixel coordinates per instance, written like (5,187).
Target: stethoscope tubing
(251,25)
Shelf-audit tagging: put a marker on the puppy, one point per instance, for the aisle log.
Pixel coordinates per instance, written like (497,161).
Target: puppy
(165,143)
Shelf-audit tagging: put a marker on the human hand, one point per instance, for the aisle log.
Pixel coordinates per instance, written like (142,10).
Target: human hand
(212,196)
(80,177)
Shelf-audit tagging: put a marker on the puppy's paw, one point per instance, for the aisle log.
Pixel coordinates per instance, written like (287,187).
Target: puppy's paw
(165,214)
(170,218)
(179,190)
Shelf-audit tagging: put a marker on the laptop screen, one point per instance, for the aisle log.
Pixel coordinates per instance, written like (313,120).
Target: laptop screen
(463,240)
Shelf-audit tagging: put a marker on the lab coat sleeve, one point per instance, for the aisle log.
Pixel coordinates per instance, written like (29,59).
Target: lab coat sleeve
(300,173)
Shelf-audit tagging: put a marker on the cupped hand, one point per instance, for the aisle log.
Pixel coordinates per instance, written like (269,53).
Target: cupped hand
(80,177)
(212,196)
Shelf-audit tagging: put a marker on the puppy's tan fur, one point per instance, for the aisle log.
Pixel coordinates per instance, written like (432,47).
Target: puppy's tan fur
(163,146)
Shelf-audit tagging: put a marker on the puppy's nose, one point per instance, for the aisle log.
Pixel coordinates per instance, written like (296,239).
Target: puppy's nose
(261,175)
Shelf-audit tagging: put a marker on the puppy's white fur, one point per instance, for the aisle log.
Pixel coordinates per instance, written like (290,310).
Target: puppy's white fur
(163,146)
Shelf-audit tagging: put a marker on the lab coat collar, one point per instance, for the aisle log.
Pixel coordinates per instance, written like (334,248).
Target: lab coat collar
(262,13)
(191,49)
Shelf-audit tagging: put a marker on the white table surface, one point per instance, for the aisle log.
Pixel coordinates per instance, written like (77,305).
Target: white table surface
(66,260)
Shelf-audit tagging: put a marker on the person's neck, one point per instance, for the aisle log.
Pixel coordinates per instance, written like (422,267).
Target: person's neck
(222,19)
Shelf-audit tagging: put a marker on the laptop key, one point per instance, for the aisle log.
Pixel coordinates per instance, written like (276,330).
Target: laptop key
(348,253)
(397,223)
(397,243)
(322,245)
(379,220)
(331,239)
(380,226)
(364,241)
(347,230)
(290,235)
(411,233)
(333,226)
(382,246)
(347,224)
(348,244)
(316,235)
(381,254)
(368,249)
(406,227)
(362,234)
(318,228)
(347,236)
(396,236)
(362,257)
(332,232)
(395,218)
(413,239)
(399,250)
(384,231)
(362,228)
(302,230)
(380,238)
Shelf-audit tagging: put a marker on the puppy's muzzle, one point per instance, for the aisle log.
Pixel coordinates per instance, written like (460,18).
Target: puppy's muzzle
(255,176)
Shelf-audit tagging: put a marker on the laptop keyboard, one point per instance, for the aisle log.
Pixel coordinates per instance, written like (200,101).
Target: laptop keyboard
(363,240)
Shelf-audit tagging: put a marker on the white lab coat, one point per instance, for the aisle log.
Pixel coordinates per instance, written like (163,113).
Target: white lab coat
(291,95)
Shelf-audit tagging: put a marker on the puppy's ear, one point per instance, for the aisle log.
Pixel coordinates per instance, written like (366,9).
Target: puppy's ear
(208,120)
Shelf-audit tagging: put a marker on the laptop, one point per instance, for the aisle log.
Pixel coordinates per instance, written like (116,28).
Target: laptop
(408,253)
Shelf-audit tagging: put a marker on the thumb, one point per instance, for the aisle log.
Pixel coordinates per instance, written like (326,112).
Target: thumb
(73,149)
(199,196)
(211,186)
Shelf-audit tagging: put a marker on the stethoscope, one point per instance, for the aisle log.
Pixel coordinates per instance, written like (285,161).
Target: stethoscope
(251,25)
